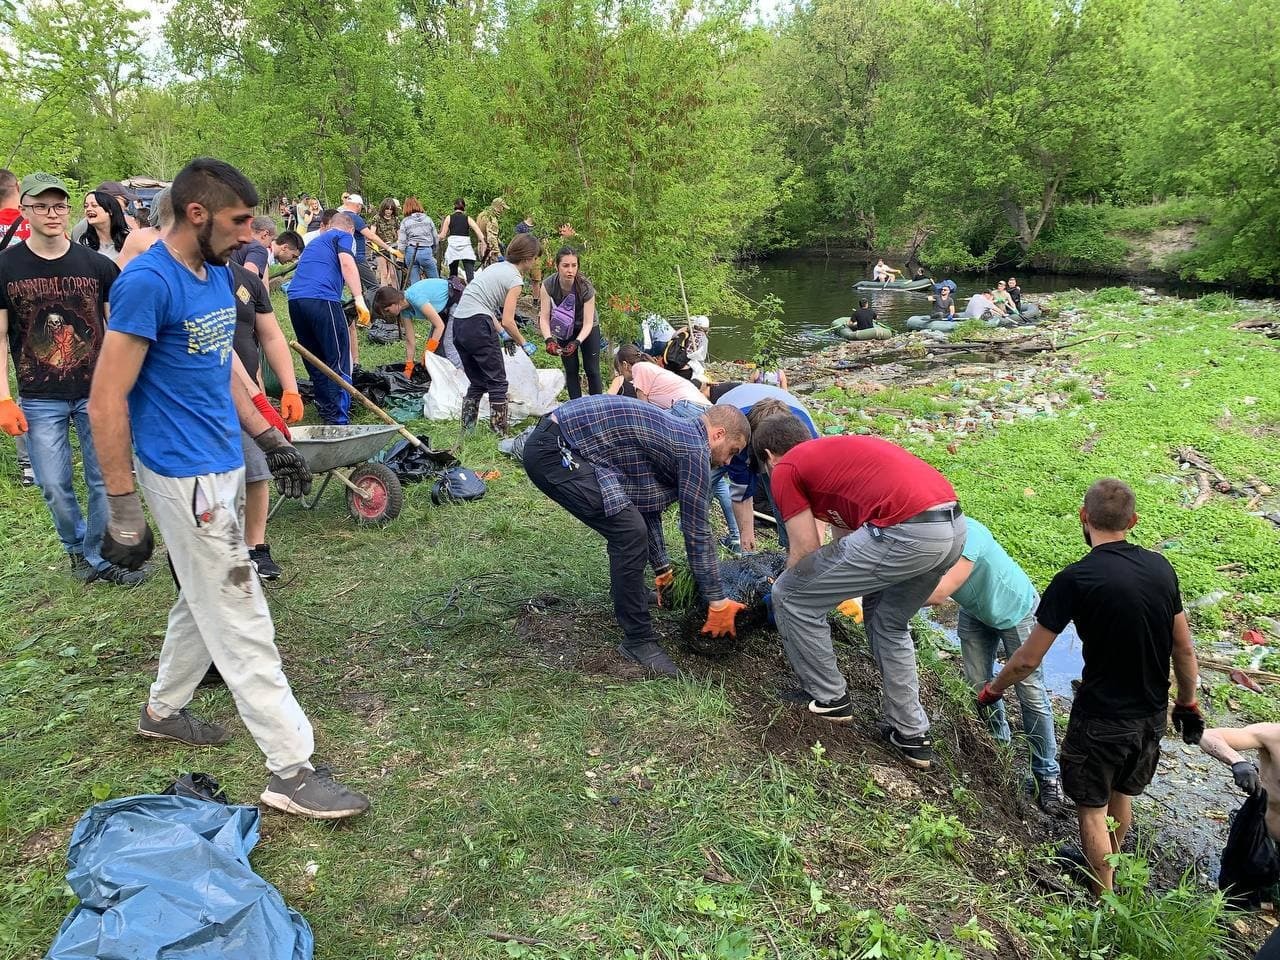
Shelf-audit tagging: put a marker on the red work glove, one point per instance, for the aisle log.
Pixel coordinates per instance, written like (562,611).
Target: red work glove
(720,622)
(569,349)
(291,406)
(270,414)
(989,697)
(408,369)
(433,345)
(663,578)
(553,347)
(12,419)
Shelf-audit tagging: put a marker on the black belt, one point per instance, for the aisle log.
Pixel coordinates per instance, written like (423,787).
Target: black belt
(936,515)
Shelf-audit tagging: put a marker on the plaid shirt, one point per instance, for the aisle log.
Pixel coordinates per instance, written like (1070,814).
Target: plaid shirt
(648,459)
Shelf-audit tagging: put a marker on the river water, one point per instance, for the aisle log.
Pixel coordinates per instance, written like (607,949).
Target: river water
(816,290)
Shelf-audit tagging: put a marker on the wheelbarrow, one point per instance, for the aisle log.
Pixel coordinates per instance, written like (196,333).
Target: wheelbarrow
(374,494)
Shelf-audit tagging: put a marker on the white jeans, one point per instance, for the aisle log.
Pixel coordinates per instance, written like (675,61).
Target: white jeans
(221,615)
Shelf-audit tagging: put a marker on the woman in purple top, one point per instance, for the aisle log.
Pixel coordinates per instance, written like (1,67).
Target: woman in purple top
(567,319)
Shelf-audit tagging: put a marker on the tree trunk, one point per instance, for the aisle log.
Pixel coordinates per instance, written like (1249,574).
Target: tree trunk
(1016,214)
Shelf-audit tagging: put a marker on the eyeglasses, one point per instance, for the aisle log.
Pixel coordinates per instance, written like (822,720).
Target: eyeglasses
(40,209)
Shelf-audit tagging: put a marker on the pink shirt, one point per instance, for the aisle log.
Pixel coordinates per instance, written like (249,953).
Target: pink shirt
(663,388)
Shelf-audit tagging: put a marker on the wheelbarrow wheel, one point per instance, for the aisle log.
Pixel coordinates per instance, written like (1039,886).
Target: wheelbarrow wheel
(382,487)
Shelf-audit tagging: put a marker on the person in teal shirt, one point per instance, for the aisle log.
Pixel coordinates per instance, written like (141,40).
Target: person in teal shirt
(998,603)
(424,300)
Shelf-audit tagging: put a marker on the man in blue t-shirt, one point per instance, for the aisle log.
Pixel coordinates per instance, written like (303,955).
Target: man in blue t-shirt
(164,382)
(997,613)
(315,310)
(742,473)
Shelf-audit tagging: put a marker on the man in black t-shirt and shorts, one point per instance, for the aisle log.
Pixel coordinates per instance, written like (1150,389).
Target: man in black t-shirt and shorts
(1127,608)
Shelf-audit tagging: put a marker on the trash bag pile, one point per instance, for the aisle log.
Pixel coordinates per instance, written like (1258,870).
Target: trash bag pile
(414,464)
(382,383)
(169,876)
(749,580)
(381,332)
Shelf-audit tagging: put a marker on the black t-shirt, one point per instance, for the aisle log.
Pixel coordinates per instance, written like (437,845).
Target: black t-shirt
(252,255)
(864,318)
(1123,599)
(1015,293)
(56,318)
(251,299)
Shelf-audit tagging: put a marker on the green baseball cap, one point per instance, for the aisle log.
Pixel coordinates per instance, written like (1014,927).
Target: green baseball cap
(37,183)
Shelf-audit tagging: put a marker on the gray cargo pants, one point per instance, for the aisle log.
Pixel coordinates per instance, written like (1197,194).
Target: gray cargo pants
(903,564)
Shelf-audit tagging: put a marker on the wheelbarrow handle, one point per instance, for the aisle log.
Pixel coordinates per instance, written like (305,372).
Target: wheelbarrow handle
(324,368)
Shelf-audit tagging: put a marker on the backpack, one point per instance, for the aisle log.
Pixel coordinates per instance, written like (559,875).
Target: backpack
(457,483)
(676,356)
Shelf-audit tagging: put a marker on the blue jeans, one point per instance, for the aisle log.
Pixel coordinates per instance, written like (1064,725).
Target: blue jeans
(979,646)
(49,446)
(688,410)
(422,264)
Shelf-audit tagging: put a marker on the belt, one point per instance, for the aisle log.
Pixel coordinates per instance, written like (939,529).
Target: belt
(936,515)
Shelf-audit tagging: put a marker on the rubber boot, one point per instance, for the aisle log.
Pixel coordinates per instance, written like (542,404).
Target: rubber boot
(498,417)
(470,414)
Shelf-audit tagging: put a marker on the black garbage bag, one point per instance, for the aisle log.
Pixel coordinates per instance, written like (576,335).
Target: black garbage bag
(1250,864)
(388,381)
(749,580)
(382,332)
(414,464)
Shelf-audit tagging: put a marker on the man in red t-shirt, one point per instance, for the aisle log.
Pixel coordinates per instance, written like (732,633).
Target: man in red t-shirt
(896,529)
(14,229)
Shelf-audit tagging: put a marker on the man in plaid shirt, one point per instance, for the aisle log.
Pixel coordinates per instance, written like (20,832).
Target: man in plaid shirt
(616,464)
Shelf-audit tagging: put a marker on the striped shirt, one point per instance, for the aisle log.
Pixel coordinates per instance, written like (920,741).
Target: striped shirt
(648,459)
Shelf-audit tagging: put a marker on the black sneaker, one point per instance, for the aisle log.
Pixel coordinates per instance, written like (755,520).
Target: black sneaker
(1076,865)
(184,728)
(1050,797)
(28,475)
(260,557)
(121,576)
(917,751)
(839,710)
(652,657)
(81,568)
(314,793)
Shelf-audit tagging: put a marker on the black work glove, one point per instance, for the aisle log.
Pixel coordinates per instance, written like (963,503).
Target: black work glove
(1246,777)
(127,541)
(1188,722)
(569,349)
(553,346)
(287,466)
(510,346)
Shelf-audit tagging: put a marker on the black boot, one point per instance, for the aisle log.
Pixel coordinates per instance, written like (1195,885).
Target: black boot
(470,414)
(498,417)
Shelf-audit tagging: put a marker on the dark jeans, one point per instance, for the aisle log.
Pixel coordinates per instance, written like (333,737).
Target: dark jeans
(368,274)
(589,351)
(481,353)
(626,536)
(468,265)
(321,327)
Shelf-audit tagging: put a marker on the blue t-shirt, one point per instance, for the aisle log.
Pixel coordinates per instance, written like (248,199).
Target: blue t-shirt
(744,398)
(433,291)
(318,275)
(997,592)
(362,242)
(184,421)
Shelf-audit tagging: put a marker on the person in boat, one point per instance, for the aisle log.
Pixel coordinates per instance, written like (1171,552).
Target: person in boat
(1002,303)
(920,274)
(883,273)
(945,306)
(864,318)
(1015,293)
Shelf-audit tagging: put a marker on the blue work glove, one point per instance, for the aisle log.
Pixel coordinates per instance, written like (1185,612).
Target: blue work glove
(530,348)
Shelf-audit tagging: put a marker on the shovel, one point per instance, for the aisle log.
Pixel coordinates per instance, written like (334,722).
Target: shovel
(381,414)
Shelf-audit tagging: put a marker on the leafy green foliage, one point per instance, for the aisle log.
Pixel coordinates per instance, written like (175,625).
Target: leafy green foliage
(766,335)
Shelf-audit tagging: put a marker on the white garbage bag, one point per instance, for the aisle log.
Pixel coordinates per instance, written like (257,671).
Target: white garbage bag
(531,392)
(448,386)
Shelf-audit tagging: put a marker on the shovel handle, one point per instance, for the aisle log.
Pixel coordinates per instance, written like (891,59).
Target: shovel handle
(324,368)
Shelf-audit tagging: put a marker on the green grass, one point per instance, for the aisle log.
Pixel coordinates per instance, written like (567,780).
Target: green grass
(617,819)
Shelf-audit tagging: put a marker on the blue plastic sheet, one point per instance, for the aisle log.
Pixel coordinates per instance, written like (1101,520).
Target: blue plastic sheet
(168,878)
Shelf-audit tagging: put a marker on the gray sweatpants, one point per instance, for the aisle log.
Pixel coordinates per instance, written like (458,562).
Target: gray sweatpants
(221,615)
(902,564)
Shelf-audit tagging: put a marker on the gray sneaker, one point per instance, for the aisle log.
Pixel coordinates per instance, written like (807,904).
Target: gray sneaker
(652,657)
(121,576)
(314,793)
(184,728)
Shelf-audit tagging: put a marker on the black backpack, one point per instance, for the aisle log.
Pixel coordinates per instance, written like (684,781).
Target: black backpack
(456,484)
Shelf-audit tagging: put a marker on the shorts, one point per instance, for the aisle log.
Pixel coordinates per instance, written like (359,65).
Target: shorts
(1105,755)
(255,461)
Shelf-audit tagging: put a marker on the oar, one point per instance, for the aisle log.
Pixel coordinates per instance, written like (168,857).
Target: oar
(381,414)
(679,274)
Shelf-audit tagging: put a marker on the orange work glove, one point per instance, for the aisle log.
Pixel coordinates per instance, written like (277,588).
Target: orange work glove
(291,406)
(433,345)
(408,369)
(720,622)
(12,419)
(662,581)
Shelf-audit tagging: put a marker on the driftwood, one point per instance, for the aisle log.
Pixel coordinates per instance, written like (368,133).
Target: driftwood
(1223,666)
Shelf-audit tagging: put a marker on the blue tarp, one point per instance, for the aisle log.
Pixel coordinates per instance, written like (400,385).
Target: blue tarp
(168,878)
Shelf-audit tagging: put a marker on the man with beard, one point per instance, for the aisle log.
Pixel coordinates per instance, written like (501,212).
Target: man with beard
(43,283)
(164,383)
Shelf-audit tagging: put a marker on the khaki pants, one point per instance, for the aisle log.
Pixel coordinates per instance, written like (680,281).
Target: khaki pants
(221,615)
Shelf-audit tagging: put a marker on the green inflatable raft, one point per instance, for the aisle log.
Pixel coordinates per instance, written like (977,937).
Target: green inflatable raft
(841,328)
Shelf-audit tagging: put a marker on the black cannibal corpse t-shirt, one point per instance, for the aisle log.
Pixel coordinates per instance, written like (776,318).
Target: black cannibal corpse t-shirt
(56,318)
(1122,598)
(251,299)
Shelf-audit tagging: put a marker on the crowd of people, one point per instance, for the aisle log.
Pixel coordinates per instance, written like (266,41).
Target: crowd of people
(157,367)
